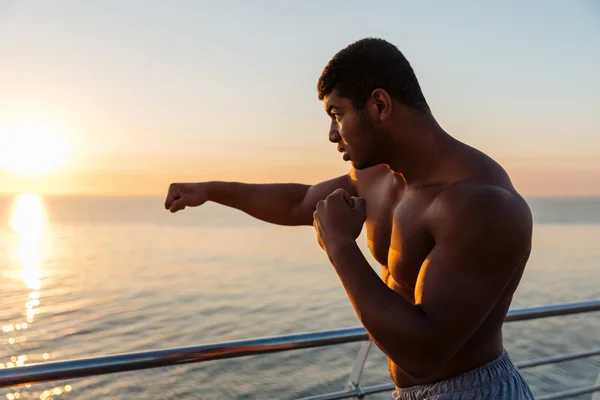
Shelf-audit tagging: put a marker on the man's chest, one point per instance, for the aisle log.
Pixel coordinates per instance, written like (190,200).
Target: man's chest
(397,235)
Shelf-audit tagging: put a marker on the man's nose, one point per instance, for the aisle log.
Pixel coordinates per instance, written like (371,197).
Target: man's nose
(334,134)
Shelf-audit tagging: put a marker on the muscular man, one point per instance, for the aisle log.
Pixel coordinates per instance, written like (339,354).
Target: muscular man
(444,221)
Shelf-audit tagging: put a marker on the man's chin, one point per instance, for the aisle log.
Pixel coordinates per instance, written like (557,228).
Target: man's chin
(357,165)
(361,165)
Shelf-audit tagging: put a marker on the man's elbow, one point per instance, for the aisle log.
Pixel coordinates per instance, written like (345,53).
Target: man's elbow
(420,352)
(300,215)
(425,362)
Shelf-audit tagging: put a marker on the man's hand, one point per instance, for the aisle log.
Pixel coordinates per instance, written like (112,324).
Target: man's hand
(182,195)
(339,219)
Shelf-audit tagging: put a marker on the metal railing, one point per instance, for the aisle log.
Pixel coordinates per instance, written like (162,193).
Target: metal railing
(78,368)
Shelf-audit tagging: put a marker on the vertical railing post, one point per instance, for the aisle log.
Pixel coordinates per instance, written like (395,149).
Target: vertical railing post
(357,369)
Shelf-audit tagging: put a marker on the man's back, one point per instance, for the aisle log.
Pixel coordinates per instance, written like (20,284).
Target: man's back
(400,225)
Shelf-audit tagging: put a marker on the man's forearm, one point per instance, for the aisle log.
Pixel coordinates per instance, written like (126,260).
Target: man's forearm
(274,203)
(400,329)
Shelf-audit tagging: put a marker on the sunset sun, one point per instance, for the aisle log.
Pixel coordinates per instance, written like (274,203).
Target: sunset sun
(32,148)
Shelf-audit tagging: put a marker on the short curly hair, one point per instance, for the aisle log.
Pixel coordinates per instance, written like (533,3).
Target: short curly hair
(370,64)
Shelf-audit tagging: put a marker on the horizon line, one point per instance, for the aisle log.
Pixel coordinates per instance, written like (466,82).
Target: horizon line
(154,195)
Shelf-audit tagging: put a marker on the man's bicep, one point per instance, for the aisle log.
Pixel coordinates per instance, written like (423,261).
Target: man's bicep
(457,290)
(320,191)
(475,257)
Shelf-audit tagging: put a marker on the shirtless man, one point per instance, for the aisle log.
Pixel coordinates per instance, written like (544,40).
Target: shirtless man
(444,221)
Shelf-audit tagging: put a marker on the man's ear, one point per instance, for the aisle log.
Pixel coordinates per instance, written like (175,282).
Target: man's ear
(381,104)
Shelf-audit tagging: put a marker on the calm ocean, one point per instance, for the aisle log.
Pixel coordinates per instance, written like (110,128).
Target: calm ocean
(93,276)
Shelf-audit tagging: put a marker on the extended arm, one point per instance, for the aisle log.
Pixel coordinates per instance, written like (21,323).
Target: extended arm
(289,204)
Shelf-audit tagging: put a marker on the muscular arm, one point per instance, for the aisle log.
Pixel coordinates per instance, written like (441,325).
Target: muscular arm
(482,237)
(289,204)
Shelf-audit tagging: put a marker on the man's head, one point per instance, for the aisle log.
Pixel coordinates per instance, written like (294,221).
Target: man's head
(362,86)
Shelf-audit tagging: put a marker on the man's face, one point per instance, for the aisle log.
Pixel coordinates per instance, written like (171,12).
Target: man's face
(351,129)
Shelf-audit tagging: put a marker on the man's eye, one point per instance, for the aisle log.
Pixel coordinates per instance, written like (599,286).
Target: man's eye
(337,117)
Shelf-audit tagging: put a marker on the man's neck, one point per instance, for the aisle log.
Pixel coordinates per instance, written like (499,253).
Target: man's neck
(418,153)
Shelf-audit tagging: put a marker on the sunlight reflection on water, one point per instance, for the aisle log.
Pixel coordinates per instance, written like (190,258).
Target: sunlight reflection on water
(28,219)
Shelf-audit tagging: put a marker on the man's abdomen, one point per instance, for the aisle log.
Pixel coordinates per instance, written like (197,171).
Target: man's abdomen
(482,348)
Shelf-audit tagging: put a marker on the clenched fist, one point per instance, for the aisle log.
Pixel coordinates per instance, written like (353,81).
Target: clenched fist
(182,195)
(339,218)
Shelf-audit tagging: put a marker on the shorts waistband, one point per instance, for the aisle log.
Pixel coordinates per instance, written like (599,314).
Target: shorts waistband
(487,374)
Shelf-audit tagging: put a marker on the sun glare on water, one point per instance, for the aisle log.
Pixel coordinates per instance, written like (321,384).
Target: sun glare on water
(32,148)
(28,219)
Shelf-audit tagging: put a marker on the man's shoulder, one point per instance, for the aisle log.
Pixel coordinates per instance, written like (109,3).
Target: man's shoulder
(479,194)
(466,206)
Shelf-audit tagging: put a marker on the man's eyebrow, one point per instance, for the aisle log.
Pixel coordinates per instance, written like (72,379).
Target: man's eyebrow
(330,108)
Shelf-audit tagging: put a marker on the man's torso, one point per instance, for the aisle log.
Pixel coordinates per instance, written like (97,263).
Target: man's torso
(399,239)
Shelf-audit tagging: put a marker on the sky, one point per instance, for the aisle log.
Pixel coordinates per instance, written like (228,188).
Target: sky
(145,93)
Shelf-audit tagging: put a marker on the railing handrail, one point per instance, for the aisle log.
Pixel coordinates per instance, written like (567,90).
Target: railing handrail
(78,368)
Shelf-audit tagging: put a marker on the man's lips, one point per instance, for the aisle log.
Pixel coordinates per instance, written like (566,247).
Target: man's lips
(342,150)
